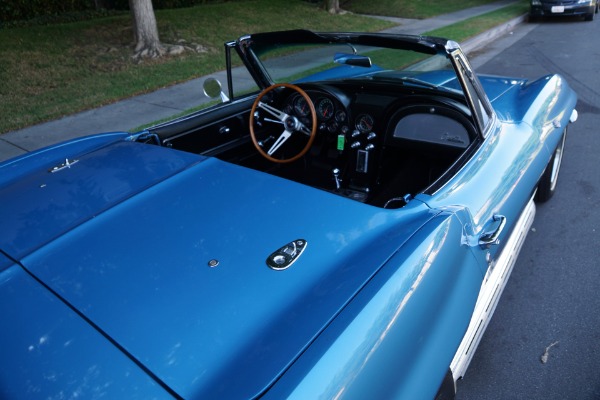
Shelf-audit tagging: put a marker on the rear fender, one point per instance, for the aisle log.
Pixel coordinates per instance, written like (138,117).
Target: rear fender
(401,330)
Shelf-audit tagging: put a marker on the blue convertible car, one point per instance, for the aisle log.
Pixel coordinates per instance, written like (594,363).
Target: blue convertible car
(339,225)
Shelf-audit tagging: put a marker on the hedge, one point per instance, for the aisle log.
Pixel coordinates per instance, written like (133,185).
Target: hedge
(17,10)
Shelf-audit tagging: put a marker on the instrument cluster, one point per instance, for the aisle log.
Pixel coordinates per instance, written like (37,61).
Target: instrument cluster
(334,119)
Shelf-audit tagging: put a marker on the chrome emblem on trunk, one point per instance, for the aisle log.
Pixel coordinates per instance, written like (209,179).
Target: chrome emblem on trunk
(286,255)
(67,164)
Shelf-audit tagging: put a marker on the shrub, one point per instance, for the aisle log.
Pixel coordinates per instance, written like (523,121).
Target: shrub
(16,10)
(12,10)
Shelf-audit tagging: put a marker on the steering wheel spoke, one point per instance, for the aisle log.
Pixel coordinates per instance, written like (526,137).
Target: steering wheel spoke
(291,123)
(302,128)
(280,141)
(275,121)
(280,115)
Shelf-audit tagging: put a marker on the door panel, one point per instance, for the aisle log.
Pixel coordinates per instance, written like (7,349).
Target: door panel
(210,131)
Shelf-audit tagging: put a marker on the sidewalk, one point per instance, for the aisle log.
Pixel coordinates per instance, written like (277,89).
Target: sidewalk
(131,113)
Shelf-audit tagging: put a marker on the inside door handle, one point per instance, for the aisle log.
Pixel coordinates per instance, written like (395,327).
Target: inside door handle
(491,237)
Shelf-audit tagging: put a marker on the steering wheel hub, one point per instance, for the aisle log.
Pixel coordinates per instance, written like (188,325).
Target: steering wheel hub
(291,123)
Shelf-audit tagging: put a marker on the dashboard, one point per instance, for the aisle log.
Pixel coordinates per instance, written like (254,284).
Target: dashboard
(364,133)
(362,120)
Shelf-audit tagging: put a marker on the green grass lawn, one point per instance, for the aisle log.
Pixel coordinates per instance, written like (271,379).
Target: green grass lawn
(464,30)
(412,9)
(55,70)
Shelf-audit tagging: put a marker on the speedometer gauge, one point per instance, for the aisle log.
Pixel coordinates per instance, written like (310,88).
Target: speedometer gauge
(325,109)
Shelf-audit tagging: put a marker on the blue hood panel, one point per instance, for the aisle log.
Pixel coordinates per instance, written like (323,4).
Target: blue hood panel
(496,86)
(140,270)
(542,104)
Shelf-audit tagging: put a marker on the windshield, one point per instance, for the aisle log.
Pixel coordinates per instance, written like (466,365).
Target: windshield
(302,62)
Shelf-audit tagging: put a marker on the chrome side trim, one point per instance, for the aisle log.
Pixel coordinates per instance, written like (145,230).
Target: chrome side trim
(490,292)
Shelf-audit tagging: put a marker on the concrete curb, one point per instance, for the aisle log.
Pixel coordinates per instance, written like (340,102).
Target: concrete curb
(486,37)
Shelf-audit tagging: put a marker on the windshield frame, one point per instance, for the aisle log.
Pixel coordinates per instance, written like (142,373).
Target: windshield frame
(347,58)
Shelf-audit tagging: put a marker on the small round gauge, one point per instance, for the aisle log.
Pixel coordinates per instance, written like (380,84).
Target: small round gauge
(301,106)
(340,116)
(332,126)
(364,123)
(325,109)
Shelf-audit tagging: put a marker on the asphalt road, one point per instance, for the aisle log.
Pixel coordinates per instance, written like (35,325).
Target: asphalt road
(551,303)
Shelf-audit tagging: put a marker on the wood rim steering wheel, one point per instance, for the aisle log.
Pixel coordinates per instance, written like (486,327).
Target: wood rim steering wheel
(291,124)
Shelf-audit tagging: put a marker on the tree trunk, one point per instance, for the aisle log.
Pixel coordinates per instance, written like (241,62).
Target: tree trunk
(332,6)
(103,4)
(145,30)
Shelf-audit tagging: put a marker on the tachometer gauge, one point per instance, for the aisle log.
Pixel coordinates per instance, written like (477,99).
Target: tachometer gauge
(301,107)
(364,123)
(325,109)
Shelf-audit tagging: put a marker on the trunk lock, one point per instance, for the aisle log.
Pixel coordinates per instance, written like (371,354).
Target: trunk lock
(285,256)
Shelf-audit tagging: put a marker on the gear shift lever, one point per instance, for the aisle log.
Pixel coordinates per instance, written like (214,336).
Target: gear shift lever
(336,176)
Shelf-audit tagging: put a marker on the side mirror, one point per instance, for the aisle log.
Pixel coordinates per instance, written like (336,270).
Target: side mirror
(212,88)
